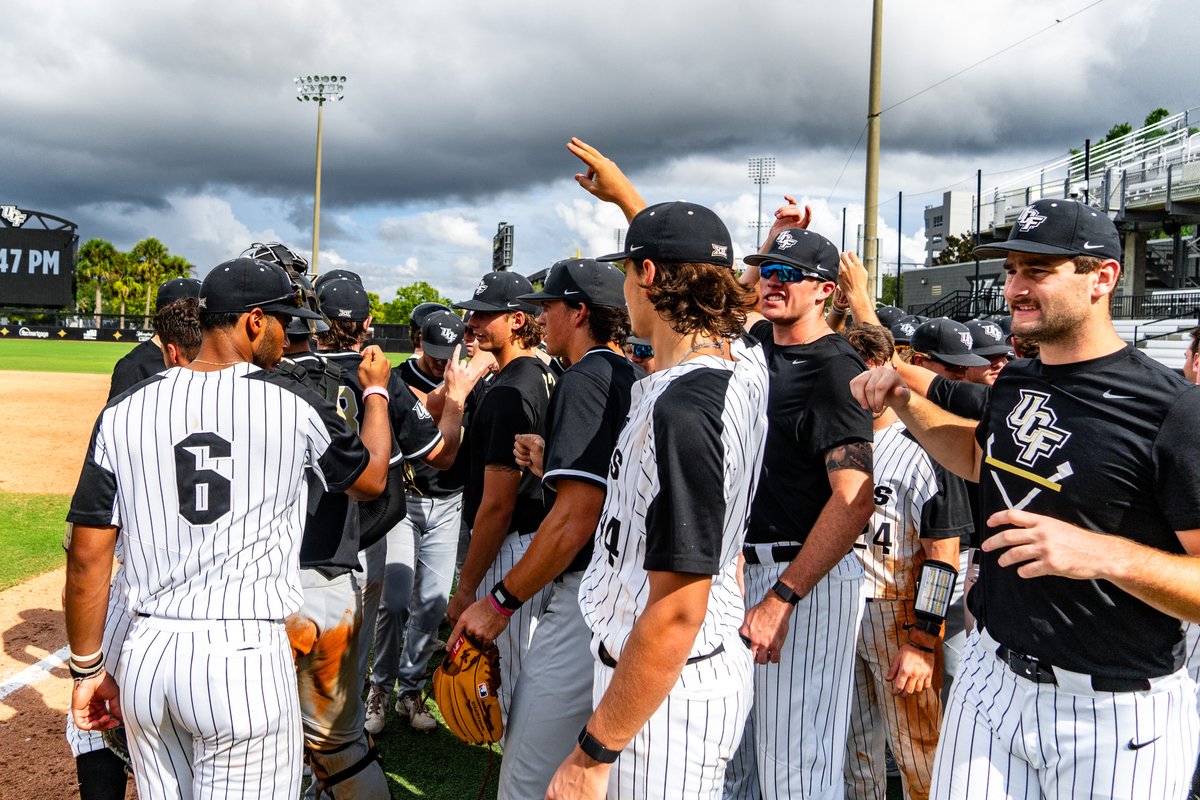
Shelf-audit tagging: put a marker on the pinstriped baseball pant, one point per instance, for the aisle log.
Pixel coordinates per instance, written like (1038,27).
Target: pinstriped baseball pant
(910,724)
(1006,736)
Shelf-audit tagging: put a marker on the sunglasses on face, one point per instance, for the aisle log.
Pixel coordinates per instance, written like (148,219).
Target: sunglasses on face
(643,351)
(784,273)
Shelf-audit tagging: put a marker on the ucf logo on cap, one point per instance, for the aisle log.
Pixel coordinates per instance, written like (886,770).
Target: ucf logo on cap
(785,240)
(1030,219)
(481,288)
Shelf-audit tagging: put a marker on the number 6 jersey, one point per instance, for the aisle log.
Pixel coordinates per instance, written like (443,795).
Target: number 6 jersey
(203,473)
(678,499)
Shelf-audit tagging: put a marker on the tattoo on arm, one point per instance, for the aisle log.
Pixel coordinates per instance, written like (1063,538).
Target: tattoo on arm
(499,468)
(857,455)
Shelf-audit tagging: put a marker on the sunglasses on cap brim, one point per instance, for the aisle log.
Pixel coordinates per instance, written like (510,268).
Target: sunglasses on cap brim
(293,298)
(785,273)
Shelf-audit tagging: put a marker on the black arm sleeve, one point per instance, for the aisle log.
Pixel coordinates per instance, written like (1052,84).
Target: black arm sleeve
(834,417)
(500,419)
(95,500)
(967,400)
(686,518)
(1177,458)
(581,444)
(344,458)
(948,513)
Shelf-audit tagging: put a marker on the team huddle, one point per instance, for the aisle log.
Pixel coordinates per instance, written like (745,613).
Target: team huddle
(726,542)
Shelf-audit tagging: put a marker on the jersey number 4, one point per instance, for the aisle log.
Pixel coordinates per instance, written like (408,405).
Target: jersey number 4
(203,492)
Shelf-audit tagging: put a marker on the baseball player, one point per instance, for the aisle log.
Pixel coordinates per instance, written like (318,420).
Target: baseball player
(101,772)
(920,512)
(146,359)
(416,437)
(803,581)
(1074,682)
(584,319)
(661,594)
(503,501)
(1191,372)
(201,471)
(420,549)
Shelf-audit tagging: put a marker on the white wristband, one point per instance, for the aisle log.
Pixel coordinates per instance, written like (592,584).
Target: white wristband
(379,390)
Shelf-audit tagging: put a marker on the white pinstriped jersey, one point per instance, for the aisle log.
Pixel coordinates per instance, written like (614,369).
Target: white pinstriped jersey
(203,473)
(914,498)
(678,499)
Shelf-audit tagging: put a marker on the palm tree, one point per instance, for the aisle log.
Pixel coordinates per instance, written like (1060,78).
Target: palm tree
(146,261)
(126,283)
(99,263)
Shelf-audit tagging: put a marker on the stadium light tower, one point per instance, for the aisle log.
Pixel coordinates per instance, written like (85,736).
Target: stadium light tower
(318,89)
(762,169)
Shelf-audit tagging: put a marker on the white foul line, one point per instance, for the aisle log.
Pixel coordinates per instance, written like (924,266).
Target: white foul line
(34,674)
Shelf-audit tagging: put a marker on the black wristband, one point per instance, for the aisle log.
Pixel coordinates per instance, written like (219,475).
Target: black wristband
(82,673)
(594,750)
(920,647)
(931,626)
(507,600)
(785,593)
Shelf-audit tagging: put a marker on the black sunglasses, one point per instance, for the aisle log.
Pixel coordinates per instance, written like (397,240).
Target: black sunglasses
(643,351)
(293,298)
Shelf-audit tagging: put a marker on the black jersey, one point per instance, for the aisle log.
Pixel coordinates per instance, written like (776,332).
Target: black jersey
(135,366)
(810,411)
(333,544)
(967,400)
(586,413)
(514,402)
(1110,445)
(427,481)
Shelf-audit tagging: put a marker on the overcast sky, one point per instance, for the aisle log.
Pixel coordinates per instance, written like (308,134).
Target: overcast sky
(179,119)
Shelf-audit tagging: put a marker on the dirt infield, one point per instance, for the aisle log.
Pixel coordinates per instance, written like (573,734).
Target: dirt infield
(45,422)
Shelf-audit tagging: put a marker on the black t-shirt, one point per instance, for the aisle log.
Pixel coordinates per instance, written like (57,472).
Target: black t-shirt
(1111,445)
(427,481)
(810,411)
(515,402)
(331,537)
(967,400)
(135,366)
(586,413)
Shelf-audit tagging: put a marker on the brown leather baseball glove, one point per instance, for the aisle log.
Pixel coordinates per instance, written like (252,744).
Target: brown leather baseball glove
(467,689)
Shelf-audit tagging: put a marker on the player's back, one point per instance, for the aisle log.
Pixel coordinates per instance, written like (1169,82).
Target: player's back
(203,472)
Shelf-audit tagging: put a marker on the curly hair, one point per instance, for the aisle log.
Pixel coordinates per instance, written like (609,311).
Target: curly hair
(699,298)
(530,334)
(178,323)
(873,343)
(343,335)
(605,323)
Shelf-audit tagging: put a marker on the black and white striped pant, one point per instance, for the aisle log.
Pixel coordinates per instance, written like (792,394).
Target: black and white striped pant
(1006,736)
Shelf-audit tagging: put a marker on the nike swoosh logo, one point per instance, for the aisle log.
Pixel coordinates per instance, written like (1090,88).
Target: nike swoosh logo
(569,291)
(513,305)
(798,361)
(1108,395)
(1139,745)
(1090,246)
(635,248)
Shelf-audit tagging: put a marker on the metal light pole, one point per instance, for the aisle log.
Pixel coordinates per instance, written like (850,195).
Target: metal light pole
(871,198)
(318,89)
(761,169)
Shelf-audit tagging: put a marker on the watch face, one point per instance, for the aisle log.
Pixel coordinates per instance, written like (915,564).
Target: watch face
(785,592)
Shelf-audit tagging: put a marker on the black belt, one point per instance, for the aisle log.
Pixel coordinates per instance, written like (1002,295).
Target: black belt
(221,619)
(607,660)
(782,553)
(1030,668)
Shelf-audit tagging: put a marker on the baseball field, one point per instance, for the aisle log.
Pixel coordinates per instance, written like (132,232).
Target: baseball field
(50,394)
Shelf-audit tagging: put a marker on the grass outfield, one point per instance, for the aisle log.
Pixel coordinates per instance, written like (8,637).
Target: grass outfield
(94,358)
(31,533)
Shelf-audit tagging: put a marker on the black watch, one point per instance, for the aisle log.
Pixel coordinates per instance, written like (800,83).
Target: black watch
(507,600)
(785,593)
(594,750)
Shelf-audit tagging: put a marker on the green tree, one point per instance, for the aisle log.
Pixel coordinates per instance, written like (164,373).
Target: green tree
(146,261)
(126,284)
(377,309)
(176,267)
(957,250)
(399,310)
(97,266)
(893,291)
(1116,132)
(1155,116)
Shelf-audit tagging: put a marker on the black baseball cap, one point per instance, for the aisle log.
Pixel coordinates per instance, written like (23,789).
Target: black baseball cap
(337,275)
(947,341)
(989,339)
(344,300)
(889,316)
(441,332)
(678,231)
(905,327)
(584,280)
(242,284)
(176,289)
(500,291)
(423,311)
(806,250)
(1060,228)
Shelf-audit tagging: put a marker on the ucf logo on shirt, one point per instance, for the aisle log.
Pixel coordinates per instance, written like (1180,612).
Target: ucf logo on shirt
(1032,424)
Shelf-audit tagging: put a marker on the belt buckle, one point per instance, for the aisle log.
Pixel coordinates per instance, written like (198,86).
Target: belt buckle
(1025,666)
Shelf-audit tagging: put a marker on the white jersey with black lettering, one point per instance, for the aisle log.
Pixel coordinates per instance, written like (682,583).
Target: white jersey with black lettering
(678,499)
(209,490)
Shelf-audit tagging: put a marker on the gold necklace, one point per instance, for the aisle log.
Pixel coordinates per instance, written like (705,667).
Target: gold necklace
(699,346)
(217,363)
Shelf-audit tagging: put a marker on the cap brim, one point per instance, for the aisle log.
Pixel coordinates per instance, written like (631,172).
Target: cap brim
(965,360)
(615,257)
(1026,246)
(538,297)
(442,352)
(291,311)
(479,305)
(991,350)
